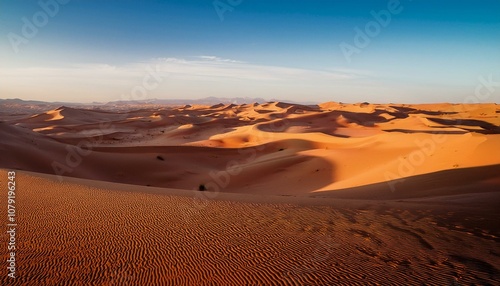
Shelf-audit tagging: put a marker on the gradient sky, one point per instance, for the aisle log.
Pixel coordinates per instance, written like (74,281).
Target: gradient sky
(429,51)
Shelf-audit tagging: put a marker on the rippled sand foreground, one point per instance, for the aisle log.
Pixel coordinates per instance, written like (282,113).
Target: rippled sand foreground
(330,194)
(82,232)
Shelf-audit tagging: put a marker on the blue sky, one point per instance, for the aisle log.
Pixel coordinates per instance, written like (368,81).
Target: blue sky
(413,51)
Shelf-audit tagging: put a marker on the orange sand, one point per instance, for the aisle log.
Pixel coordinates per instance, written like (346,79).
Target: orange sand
(334,194)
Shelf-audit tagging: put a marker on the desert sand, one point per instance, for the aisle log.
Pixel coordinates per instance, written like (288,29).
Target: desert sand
(331,194)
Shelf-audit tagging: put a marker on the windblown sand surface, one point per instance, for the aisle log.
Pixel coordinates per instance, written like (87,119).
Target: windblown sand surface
(71,233)
(334,194)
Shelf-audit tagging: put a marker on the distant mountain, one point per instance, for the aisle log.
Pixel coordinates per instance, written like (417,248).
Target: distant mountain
(29,107)
(15,101)
(203,101)
(212,100)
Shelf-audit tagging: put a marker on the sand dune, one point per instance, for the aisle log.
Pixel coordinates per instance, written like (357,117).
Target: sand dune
(291,149)
(82,232)
(258,194)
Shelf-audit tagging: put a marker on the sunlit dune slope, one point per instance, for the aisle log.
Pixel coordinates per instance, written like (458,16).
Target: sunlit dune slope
(272,148)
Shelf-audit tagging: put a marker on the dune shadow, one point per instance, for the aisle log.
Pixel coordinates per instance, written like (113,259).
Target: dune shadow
(431,131)
(324,122)
(403,108)
(441,183)
(277,168)
(488,127)
(409,110)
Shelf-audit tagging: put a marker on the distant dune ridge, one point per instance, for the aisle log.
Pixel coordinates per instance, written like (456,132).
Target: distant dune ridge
(256,193)
(277,148)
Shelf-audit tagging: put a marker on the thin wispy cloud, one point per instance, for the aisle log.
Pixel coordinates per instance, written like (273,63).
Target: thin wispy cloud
(214,67)
(196,76)
(217,59)
(200,69)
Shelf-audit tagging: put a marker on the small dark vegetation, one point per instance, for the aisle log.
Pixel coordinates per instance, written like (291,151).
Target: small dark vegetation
(160,158)
(202,188)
